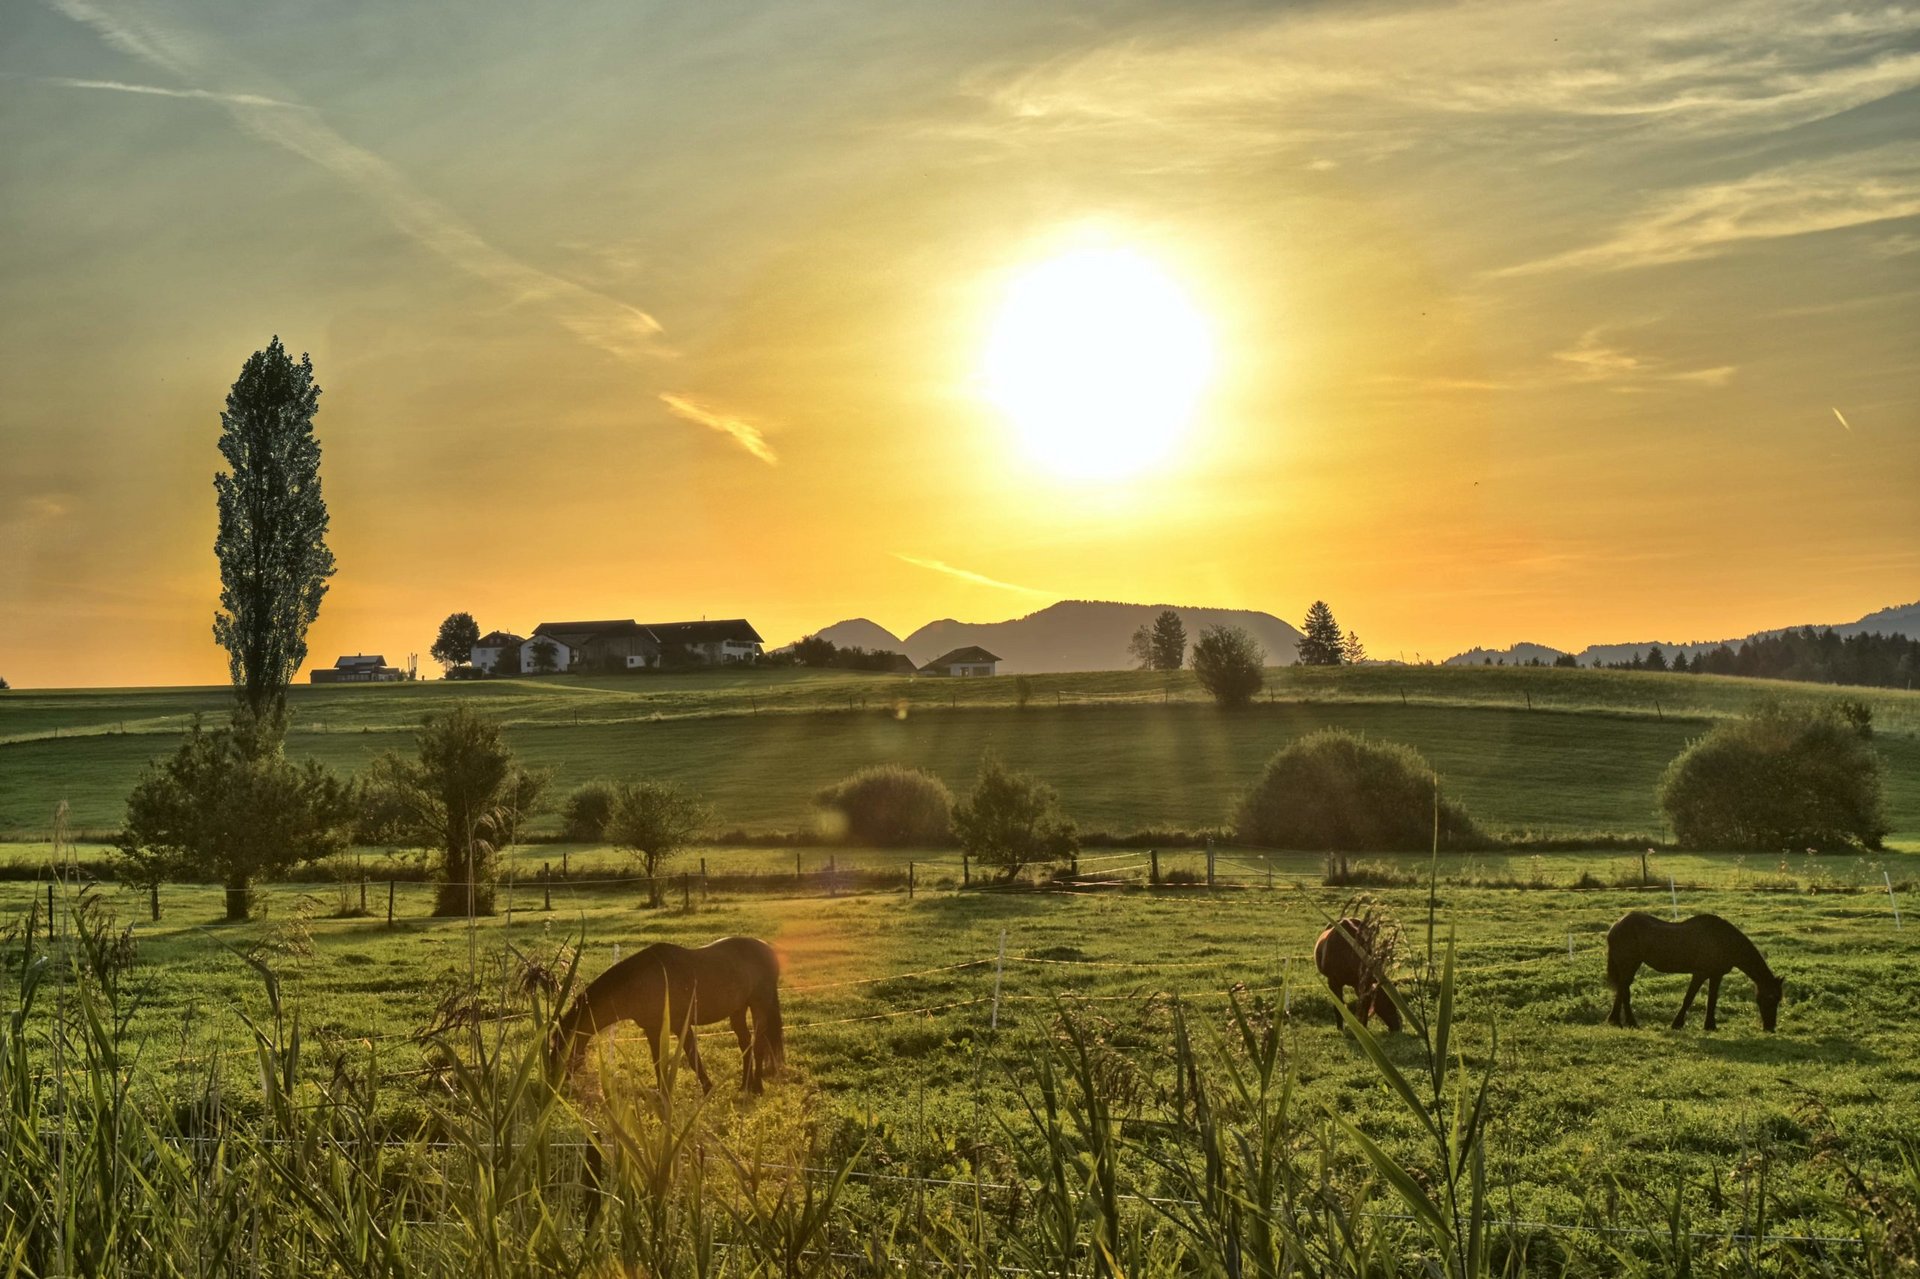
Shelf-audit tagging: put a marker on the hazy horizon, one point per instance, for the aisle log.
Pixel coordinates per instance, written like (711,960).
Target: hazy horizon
(1548,322)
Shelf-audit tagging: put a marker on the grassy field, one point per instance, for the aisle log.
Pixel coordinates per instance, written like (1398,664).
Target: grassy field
(1552,751)
(889,1003)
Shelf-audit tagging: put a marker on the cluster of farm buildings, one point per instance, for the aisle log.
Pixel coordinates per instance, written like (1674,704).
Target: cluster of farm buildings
(621,644)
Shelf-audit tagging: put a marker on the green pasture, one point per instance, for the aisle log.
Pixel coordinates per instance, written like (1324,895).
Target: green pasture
(1554,752)
(889,1003)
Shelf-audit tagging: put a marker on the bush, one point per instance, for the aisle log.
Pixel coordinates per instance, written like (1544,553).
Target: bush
(1783,777)
(891,806)
(1013,819)
(1230,664)
(583,818)
(1333,790)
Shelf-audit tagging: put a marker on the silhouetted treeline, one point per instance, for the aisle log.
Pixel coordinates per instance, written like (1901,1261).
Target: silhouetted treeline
(1819,657)
(819,651)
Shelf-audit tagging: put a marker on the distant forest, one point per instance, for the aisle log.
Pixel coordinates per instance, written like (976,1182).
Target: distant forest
(1819,657)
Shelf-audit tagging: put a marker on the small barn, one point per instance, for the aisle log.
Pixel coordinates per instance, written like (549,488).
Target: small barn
(357,668)
(971,660)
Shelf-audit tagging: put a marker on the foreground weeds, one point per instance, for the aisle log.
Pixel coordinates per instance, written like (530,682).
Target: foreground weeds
(1194,1155)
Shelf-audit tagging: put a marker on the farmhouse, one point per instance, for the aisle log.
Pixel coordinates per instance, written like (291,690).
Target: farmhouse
(971,660)
(622,644)
(360,668)
(732,640)
(489,649)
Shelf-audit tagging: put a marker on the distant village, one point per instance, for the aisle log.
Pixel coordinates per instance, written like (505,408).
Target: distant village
(614,646)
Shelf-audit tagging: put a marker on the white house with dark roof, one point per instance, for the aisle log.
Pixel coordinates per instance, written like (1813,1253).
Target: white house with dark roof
(490,648)
(971,660)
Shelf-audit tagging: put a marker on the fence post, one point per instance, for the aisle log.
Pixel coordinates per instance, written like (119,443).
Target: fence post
(1269,860)
(703,879)
(966,876)
(153,901)
(686,893)
(998,964)
(53,932)
(1674,890)
(1891,899)
(1153,876)
(563,863)
(1209,861)
(363,894)
(389,903)
(546,885)
(909,881)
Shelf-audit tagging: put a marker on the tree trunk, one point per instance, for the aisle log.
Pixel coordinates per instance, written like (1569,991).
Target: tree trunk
(452,899)
(239,899)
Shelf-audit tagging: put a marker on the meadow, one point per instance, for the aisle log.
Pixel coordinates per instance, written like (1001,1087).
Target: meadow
(915,1026)
(964,1056)
(1554,752)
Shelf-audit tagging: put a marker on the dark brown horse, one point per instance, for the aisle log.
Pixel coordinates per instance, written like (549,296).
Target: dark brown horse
(1706,946)
(1347,955)
(676,989)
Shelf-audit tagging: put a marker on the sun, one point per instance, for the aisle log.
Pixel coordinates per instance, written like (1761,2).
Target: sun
(1098,358)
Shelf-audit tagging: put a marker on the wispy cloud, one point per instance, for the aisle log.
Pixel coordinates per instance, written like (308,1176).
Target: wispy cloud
(1830,193)
(744,433)
(967,575)
(595,318)
(156,91)
(1372,75)
(1596,359)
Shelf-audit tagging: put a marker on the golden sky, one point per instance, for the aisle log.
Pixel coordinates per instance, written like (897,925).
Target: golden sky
(1538,320)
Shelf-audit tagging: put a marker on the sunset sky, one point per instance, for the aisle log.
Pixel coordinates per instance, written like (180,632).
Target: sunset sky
(1544,320)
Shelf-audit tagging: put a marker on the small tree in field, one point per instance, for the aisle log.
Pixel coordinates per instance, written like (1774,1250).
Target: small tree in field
(229,806)
(1140,647)
(1321,643)
(653,821)
(1784,777)
(453,646)
(1230,664)
(1352,651)
(1169,642)
(1012,820)
(463,795)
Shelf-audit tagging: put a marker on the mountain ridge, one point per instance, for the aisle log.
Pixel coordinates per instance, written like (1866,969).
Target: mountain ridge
(1071,635)
(1895,619)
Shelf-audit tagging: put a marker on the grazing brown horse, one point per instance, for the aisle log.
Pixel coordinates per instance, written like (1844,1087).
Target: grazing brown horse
(1345,957)
(677,988)
(1706,946)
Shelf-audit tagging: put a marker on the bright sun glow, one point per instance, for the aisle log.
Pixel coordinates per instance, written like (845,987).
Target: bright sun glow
(1098,358)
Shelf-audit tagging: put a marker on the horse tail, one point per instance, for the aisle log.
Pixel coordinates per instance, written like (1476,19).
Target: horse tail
(768,1032)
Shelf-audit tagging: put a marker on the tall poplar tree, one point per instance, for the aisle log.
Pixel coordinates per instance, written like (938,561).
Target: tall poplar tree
(271,543)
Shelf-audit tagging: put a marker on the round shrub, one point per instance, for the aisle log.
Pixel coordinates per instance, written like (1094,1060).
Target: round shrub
(1333,790)
(584,816)
(1781,778)
(890,806)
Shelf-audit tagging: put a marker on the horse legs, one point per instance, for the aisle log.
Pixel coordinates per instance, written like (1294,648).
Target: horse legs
(1622,982)
(1693,988)
(690,1045)
(1713,998)
(749,1063)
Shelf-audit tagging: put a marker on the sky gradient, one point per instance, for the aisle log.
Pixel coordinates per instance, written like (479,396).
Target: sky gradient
(1551,321)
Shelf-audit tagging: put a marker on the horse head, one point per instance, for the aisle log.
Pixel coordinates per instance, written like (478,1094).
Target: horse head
(1766,992)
